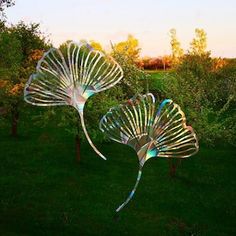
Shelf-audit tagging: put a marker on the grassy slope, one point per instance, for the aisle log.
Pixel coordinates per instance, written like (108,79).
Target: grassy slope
(43,191)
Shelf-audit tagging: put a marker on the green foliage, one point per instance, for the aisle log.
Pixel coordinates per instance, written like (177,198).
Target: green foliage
(129,48)
(97,106)
(135,79)
(21,46)
(10,64)
(207,96)
(177,51)
(199,44)
(11,57)
(17,49)
(30,37)
(68,118)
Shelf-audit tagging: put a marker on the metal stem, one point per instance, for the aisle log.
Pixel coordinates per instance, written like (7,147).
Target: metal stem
(87,136)
(132,192)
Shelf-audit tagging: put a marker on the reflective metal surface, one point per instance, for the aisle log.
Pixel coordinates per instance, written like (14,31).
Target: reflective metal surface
(151,130)
(70,77)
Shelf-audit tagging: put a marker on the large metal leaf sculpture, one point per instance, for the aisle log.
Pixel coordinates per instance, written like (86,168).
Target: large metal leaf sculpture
(150,131)
(70,77)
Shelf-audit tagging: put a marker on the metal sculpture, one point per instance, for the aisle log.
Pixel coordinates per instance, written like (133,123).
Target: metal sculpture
(150,131)
(70,77)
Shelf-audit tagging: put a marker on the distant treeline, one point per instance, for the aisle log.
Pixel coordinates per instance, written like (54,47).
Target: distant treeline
(166,62)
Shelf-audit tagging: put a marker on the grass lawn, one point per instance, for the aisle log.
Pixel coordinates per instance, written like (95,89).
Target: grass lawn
(158,74)
(44,191)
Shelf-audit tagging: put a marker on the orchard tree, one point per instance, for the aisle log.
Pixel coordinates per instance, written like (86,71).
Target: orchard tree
(208,97)
(135,79)
(177,51)
(198,45)
(21,46)
(10,85)
(129,48)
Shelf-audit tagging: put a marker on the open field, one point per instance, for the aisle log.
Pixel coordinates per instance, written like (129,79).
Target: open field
(44,191)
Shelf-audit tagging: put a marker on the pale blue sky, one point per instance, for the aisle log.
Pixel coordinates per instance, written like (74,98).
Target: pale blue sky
(148,20)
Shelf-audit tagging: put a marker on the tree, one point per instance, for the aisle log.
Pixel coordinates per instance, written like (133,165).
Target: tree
(5,4)
(199,43)
(21,46)
(10,86)
(177,51)
(135,79)
(129,48)
(96,45)
(207,96)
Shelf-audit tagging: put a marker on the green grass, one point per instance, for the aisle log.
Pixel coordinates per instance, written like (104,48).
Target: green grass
(44,191)
(158,74)
(156,79)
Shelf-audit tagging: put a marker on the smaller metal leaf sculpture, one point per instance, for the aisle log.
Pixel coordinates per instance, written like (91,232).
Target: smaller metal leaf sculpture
(70,77)
(150,131)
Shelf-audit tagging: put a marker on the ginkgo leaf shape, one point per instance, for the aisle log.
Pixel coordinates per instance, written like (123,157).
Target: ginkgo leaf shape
(70,78)
(150,131)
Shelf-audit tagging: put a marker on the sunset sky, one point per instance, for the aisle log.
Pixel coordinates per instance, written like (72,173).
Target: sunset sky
(148,20)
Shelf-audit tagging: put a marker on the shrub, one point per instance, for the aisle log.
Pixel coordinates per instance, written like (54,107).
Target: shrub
(207,96)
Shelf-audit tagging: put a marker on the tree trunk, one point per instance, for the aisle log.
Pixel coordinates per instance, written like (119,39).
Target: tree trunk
(77,146)
(14,124)
(164,65)
(173,165)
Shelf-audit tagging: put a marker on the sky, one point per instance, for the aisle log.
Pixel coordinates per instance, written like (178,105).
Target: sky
(149,21)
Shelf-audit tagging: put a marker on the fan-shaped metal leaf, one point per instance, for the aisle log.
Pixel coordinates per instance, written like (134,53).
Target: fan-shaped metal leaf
(151,131)
(70,76)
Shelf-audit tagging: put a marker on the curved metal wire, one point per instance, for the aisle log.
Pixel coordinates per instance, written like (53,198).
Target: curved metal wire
(132,192)
(150,130)
(88,138)
(69,76)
